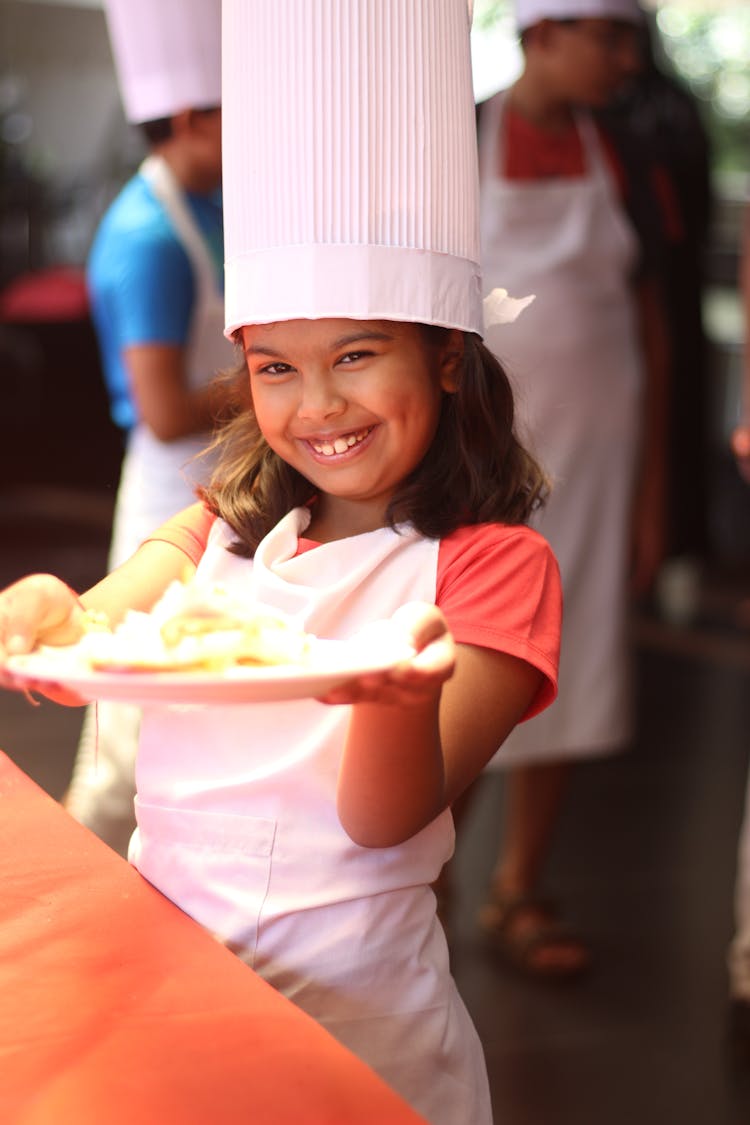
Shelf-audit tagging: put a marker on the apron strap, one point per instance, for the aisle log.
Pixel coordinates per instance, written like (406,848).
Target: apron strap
(156,171)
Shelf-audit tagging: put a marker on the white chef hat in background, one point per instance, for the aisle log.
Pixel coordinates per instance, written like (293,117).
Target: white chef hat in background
(529,12)
(167,55)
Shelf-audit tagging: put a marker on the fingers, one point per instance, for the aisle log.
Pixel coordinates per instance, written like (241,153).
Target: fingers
(37,608)
(420,675)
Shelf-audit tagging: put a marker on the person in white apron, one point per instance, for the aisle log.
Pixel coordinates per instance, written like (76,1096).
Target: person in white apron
(577,361)
(351,496)
(155,211)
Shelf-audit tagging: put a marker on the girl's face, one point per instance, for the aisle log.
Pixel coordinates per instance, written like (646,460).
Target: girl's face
(352,405)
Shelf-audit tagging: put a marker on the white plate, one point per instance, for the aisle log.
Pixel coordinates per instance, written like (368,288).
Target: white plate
(335,662)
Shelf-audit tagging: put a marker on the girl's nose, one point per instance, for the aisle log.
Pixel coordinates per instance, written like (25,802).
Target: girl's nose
(321,398)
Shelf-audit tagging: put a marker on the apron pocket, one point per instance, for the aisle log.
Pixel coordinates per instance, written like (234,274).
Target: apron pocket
(214,866)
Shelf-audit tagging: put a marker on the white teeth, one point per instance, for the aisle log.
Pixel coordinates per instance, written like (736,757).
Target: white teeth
(340,445)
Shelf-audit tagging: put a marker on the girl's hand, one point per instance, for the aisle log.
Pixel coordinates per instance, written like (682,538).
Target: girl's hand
(39,609)
(418,678)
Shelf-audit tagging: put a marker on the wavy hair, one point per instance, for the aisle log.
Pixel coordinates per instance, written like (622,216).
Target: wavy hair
(475,471)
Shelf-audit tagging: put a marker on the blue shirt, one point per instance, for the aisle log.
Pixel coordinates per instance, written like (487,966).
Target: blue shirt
(141,283)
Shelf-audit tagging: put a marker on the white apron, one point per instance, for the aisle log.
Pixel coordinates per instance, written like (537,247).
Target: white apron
(156,482)
(157,479)
(237,824)
(573,357)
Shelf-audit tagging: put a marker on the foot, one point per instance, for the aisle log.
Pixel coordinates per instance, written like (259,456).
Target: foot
(527,934)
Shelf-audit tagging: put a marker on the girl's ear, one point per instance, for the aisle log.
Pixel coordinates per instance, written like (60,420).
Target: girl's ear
(450,360)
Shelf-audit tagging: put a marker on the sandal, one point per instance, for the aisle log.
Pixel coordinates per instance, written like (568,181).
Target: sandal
(527,934)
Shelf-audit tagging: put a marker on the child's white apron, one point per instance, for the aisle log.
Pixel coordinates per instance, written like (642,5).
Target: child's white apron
(573,357)
(238,826)
(157,479)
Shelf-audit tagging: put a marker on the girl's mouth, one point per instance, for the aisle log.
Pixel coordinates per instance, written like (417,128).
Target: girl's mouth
(340,444)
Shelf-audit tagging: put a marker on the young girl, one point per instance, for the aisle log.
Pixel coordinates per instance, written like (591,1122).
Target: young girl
(376,476)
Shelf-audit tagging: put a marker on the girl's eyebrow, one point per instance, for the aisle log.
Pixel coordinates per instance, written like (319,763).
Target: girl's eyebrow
(341,342)
(257,349)
(357,337)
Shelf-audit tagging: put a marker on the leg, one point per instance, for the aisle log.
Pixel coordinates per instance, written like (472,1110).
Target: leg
(520,927)
(102,788)
(534,799)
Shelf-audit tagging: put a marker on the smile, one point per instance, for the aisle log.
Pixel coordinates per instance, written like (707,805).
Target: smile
(340,444)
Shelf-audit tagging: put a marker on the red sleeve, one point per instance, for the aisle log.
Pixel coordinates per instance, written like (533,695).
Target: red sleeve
(499,588)
(188,531)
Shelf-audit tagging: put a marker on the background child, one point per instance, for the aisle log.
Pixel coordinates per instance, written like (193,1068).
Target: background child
(376,476)
(588,361)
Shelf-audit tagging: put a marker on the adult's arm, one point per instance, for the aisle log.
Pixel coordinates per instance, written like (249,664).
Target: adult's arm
(165,401)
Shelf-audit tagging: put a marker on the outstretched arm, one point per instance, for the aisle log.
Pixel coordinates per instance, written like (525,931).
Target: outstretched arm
(42,609)
(169,406)
(422,733)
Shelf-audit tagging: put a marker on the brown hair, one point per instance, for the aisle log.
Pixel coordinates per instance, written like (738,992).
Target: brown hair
(475,471)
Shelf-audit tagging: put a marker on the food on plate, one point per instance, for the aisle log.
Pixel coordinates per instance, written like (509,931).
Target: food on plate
(196,626)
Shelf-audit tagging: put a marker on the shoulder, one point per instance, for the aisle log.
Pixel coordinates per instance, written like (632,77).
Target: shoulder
(135,209)
(135,227)
(471,549)
(647,189)
(188,531)
(499,587)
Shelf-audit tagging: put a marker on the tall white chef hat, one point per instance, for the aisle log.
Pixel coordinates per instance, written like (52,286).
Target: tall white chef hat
(167,55)
(350,164)
(529,12)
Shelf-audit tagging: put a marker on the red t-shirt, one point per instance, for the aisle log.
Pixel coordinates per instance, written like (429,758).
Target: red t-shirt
(498,586)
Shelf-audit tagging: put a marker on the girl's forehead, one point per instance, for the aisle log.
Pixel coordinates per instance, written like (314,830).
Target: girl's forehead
(324,331)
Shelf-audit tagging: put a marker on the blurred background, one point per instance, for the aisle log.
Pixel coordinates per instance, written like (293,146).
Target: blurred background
(65,149)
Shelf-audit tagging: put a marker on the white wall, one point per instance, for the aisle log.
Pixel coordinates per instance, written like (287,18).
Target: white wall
(55,63)
(60,108)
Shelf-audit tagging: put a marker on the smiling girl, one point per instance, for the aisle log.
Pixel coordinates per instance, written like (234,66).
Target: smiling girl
(375,476)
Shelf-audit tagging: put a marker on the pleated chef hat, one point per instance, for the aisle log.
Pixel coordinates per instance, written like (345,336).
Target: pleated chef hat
(350,164)
(167,55)
(529,12)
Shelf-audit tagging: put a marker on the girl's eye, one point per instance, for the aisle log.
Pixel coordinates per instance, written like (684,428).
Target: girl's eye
(353,357)
(275,369)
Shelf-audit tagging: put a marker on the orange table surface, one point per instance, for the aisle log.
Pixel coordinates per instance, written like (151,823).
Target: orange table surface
(116,1008)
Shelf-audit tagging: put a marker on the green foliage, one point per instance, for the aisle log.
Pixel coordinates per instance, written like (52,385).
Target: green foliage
(709,51)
